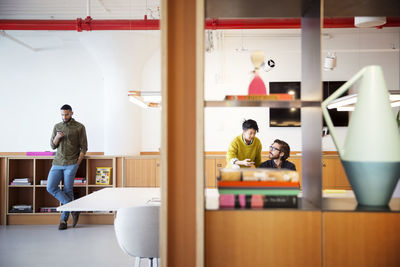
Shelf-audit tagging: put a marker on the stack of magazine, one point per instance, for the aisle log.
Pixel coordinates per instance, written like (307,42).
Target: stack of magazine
(21,181)
(48,209)
(79,181)
(258,188)
(21,208)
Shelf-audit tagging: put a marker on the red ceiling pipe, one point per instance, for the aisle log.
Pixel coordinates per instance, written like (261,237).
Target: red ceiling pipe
(88,24)
(225,24)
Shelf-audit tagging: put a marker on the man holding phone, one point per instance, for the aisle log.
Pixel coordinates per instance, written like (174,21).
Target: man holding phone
(69,138)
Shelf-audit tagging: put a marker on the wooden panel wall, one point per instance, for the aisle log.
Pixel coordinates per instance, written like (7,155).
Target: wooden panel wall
(263,238)
(333,174)
(219,163)
(210,173)
(140,172)
(361,239)
(119,171)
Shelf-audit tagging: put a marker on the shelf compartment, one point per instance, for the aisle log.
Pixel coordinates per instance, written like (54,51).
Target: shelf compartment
(42,169)
(44,199)
(91,169)
(18,195)
(81,172)
(20,168)
(79,192)
(263,103)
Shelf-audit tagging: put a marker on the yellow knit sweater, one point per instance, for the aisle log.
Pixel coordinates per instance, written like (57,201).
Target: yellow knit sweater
(240,150)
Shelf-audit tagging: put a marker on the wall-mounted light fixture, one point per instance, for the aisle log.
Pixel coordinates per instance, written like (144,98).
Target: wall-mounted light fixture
(369,22)
(145,99)
(347,103)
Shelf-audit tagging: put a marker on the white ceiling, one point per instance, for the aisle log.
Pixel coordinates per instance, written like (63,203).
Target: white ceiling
(72,9)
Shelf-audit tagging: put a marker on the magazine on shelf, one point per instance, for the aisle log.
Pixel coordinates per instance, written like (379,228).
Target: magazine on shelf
(103,175)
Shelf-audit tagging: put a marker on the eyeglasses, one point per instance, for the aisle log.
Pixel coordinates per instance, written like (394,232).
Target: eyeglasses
(273,148)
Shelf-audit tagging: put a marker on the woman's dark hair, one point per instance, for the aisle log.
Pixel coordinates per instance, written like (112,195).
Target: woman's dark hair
(66,107)
(250,124)
(285,148)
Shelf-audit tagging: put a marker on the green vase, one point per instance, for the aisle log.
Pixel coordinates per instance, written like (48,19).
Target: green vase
(371,152)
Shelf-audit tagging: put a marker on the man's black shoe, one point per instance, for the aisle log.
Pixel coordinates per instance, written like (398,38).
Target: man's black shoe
(75,217)
(63,225)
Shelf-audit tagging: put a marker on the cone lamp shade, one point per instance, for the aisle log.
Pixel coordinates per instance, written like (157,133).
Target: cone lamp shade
(371,152)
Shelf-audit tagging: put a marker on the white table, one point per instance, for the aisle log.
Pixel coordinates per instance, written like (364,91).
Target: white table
(112,199)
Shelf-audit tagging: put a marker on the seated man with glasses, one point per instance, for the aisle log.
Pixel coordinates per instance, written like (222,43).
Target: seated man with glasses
(279,151)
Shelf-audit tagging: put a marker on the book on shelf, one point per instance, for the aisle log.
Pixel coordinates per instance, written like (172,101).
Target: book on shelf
(103,175)
(21,181)
(260,97)
(21,208)
(79,181)
(258,184)
(43,182)
(48,209)
(258,175)
(252,191)
(257,201)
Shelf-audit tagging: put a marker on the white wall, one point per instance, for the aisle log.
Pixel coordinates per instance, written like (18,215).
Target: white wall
(64,73)
(151,118)
(34,85)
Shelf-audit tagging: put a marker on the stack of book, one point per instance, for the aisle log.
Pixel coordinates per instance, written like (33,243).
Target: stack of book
(79,181)
(43,182)
(48,209)
(262,189)
(21,181)
(21,209)
(260,97)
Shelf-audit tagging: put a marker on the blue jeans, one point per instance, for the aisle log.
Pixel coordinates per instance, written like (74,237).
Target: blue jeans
(53,180)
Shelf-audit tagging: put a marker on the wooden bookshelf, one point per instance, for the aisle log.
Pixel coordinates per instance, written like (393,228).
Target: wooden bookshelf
(36,195)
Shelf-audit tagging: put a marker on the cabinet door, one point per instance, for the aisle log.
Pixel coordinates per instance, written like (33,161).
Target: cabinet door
(141,172)
(333,175)
(158,173)
(210,173)
(219,163)
(297,162)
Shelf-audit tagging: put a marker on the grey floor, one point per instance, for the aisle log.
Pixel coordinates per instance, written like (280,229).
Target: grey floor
(45,245)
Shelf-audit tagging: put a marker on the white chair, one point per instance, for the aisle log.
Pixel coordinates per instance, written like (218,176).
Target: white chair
(137,231)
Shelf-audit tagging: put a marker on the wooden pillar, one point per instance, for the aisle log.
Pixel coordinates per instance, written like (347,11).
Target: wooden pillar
(182,213)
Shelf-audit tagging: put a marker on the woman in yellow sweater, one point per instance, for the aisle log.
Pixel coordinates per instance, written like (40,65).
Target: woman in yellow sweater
(245,149)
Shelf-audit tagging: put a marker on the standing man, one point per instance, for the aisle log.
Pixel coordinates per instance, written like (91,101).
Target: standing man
(69,137)
(245,149)
(279,151)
